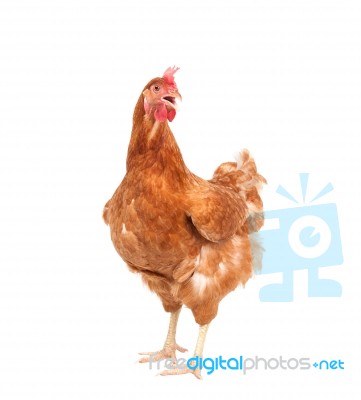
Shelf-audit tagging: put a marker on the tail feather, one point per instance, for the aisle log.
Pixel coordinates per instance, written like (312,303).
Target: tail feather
(242,177)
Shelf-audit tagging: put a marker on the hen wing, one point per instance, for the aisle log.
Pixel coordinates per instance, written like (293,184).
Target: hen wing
(216,212)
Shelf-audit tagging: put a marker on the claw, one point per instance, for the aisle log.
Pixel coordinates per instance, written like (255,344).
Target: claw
(166,353)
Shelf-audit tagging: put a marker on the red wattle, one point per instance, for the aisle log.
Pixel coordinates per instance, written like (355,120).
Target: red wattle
(171,115)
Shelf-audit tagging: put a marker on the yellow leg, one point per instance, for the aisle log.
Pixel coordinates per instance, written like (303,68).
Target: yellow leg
(197,352)
(170,345)
(203,329)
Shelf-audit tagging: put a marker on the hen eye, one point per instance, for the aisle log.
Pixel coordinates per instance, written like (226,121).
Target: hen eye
(156,88)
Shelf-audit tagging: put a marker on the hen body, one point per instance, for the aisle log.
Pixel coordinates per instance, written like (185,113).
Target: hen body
(187,237)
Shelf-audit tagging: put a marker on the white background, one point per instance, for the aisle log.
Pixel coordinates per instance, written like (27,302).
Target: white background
(281,78)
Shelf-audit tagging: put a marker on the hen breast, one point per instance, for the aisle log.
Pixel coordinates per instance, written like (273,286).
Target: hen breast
(149,226)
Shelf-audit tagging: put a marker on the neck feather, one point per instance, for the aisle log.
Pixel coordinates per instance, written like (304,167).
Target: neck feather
(152,144)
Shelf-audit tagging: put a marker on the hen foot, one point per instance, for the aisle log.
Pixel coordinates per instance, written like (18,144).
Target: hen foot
(168,352)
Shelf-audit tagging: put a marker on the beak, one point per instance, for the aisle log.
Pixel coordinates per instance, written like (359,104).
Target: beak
(172,99)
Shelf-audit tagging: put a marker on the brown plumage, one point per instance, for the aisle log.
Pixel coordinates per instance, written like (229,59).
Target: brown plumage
(187,237)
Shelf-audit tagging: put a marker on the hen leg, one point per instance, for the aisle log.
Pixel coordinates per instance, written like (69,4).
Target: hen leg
(194,369)
(170,345)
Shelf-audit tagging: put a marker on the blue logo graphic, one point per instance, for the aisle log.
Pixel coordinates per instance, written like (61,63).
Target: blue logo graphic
(303,237)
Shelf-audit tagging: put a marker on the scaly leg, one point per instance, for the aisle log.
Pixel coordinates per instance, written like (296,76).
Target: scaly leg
(197,352)
(170,346)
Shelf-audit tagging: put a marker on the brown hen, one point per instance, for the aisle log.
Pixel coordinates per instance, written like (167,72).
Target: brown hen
(189,238)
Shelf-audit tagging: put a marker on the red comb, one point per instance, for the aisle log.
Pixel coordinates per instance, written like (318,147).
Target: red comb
(169,75)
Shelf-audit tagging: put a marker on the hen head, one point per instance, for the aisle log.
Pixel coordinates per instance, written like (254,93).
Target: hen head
(161,95)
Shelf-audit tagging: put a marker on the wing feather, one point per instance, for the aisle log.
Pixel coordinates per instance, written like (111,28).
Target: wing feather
(216,212)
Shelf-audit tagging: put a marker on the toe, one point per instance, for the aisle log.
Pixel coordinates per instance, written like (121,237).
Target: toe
(181,349)
(182,371)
